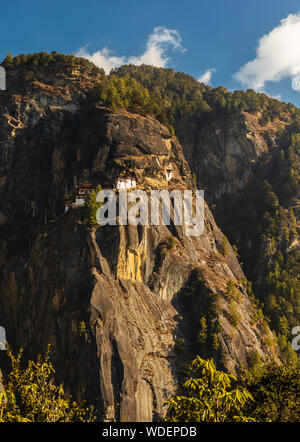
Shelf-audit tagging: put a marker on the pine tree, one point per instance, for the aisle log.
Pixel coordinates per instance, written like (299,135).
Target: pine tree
(91,207)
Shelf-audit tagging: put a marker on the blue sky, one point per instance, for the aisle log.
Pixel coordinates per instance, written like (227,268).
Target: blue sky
(193,36)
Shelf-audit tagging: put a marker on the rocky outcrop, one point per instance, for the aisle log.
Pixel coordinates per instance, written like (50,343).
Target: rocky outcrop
(120,305)
(224,152)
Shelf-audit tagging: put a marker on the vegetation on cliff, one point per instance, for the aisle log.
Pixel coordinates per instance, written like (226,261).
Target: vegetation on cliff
(263,216)
(263,223)
(91,207)
(181,97)
(264,211)
(40,60)
(276,392)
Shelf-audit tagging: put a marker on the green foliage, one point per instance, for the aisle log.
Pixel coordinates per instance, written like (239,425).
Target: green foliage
(289,355)
(276,393)
(230,290)
(91,207)
(30,396)
(82,328)
(282,291)
(43,60)
(169,96)
(173,95)
(202,333)
(179,96)
(171,242)
(202,308)
(235,250)
(264,227)
(116,92)
(179,345)
(224,246)
(233,314)
(215,342)
(126,92)
(210,397)
(8,61)
(194,286)
(254,362)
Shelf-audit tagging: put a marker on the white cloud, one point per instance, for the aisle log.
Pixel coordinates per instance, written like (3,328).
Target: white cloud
(155,54)
(277,57)
(276,96)
(102,58)
(296,83)
(206,77)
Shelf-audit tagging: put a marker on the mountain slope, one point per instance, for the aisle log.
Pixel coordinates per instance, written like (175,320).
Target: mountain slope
(124,307)
(243,148)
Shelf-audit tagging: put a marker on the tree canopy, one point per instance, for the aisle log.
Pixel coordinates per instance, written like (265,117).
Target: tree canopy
(276,393)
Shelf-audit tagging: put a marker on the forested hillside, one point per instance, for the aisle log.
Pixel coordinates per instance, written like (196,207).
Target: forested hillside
(126,309)
(262,218)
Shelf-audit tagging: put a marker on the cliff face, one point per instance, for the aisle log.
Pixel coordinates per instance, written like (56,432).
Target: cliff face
(122,306)
(251,171)
(225,152)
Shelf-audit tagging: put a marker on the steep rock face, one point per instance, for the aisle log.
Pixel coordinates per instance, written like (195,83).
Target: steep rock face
(25,103)
(249,167)
(224,152)
(112,301)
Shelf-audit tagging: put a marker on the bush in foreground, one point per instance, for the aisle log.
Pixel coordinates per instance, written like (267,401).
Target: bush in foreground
(210,397)
(30,396)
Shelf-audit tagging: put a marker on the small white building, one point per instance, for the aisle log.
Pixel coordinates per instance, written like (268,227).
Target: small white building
(80,196)
(125,183)
(169,174)
(78,199)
